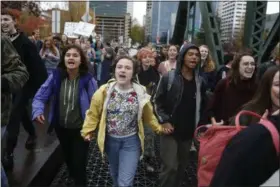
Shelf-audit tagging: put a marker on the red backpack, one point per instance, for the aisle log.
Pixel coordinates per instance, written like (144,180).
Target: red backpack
(214,140)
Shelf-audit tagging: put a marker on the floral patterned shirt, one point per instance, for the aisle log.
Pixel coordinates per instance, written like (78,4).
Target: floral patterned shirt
(122,111)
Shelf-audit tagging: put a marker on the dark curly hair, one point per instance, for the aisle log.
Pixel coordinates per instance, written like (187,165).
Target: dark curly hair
(84,67)
(134,62)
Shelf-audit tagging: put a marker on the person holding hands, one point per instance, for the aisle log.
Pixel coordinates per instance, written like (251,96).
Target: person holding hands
(118,110)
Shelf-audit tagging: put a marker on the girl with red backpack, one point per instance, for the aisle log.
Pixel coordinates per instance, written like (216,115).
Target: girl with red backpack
(244,156)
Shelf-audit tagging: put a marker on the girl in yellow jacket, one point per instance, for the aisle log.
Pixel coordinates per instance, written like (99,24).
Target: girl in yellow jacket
(118,110)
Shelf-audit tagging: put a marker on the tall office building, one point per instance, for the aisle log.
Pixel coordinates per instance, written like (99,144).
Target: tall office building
(198,17)
(232,14)
(162,14)
(117,27)
(149,5)
(110,8)
(129,8)
(113,19)
(148,21)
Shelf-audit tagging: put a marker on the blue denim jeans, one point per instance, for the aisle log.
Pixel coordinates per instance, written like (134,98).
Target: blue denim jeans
(4,179)
(123,155)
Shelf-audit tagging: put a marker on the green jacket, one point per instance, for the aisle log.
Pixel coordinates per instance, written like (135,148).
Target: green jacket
(13,77)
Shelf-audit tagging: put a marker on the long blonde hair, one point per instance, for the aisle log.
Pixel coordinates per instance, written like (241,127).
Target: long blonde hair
(210,64)
(52,47)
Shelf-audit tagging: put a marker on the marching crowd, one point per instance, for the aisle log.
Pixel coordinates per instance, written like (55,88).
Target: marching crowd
(92,90)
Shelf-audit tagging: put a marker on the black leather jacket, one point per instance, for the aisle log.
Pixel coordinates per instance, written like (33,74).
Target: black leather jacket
(167,100)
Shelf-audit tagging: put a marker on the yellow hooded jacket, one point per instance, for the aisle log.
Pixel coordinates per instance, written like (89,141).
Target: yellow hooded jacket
(96,114)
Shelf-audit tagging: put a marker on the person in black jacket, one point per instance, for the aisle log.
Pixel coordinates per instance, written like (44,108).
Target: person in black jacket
(37,76)
(250,157)
(148,77)
(177,103)
(107,64)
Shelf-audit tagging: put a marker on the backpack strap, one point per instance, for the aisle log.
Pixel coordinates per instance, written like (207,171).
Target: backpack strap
(273,132)
(266,123)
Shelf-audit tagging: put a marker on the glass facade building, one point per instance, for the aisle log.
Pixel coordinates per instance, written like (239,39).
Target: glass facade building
(163,25)
(198,18)
(109,8)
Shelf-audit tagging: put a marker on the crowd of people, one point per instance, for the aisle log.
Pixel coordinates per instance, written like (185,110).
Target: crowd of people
(92,90)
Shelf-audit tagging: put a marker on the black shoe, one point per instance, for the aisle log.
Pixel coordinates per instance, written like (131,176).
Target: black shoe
(8,162)
(30,143)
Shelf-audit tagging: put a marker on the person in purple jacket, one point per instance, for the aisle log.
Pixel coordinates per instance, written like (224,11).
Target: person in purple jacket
(70,89)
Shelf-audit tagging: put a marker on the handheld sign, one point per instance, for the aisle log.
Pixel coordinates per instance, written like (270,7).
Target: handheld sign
(69,28)
(84,29)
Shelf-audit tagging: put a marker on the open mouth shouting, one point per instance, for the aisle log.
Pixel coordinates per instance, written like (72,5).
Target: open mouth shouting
(193,64)
(122,77)
(71,64)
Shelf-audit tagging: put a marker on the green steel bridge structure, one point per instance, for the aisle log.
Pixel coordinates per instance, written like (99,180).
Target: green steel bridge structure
(254,28)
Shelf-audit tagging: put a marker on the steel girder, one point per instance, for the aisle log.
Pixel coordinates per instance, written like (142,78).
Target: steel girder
(212,33)
(190,27)
(254,27)
(180,25)
(271,41)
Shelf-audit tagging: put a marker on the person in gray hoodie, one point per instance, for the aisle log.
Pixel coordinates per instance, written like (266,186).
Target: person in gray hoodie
(178,103)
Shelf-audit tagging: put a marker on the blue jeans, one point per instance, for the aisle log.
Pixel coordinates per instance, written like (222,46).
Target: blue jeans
(4,179)
(123,155)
